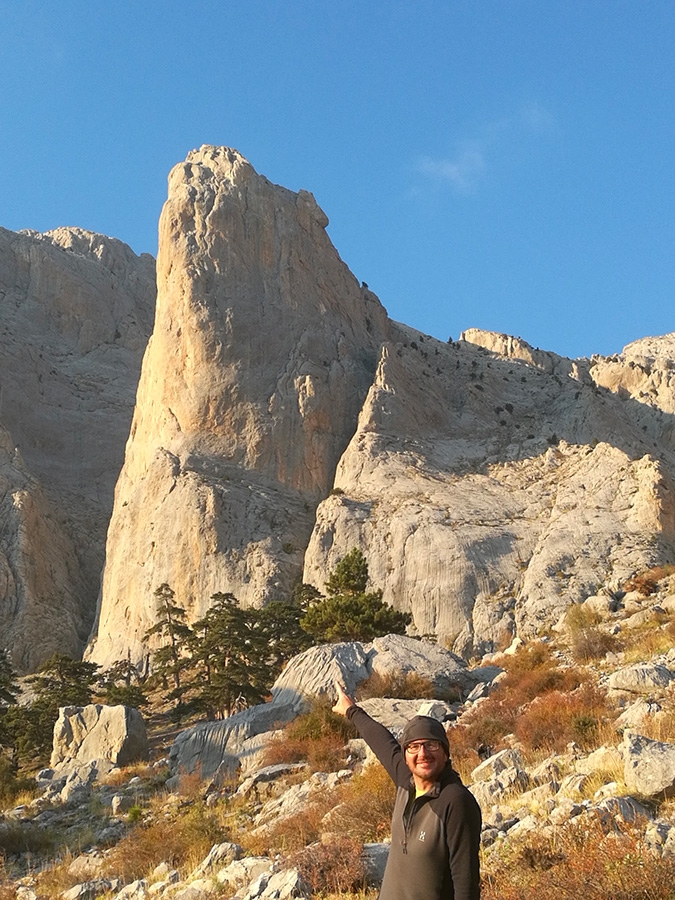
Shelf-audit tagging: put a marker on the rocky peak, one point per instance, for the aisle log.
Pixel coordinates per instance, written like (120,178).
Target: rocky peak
(263,351)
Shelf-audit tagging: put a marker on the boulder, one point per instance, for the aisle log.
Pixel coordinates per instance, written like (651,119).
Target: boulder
(281,885)
(96,732)
(496,764)
(634,716)
(649,766)
(641,678)
(399,654)
(244,871)
(213,749)
(375,858)
(315,672)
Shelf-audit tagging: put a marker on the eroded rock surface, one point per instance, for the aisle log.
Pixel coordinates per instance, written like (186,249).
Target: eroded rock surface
(75,314)
(263,351)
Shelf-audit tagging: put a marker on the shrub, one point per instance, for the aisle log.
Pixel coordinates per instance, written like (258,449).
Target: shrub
(364,805)
(11,784)
(25,837)
(587,640)
(335,867)
(553,720)
(647,582)
(397,685)
(318,736)
(182,841)
(291,834)
(580,860)
(531,672)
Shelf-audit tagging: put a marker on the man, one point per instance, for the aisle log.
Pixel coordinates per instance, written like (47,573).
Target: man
(435,828)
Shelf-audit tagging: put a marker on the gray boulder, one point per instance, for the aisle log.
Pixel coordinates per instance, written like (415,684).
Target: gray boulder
(642,678)
(85,733)
(398,654)
(314,672)
(649,766)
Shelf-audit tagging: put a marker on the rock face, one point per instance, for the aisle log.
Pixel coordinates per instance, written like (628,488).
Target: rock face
(75,313)
(492,487)
(263,351)
(96,732)
(282,420)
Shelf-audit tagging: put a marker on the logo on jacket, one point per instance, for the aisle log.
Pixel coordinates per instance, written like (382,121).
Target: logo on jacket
(422,835)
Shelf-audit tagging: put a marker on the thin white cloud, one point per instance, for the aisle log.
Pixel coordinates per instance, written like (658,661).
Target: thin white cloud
(463,169)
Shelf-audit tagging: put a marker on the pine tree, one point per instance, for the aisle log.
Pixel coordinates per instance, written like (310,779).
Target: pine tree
(350,613)
(171,659)
(232,653)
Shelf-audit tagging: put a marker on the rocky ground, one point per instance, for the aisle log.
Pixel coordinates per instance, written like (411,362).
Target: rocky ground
(98,830)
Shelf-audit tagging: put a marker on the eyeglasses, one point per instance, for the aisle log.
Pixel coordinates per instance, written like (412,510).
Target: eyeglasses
(429,746)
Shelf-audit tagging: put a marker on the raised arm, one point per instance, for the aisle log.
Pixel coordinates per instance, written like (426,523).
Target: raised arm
(380,740)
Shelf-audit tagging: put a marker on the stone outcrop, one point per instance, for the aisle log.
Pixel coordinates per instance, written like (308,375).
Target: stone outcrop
(96,732)
(649,766)
(75,314)
(492,487)
(489,483)
(282,419)
(263,351)
(217,750)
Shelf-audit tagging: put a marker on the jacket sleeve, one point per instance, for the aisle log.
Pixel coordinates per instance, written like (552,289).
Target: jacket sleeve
(463,827)
(383,744)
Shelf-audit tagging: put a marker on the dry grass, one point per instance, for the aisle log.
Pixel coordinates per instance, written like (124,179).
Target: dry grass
(532,674)
(141,770)
(318,737)
(25,837)
(323,754)
(289,835)
(661,726)
(587,641)
(647,582)
(335,866)
(649,640)
(397,685)
(580,860)
(365,805)
(56,879)
(182,839)
(554,719)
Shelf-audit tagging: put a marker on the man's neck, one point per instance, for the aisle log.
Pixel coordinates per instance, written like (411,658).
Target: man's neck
(422,785)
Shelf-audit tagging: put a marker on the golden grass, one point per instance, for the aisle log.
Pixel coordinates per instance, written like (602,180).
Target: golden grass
(580,860)
(180,838)
(365,805)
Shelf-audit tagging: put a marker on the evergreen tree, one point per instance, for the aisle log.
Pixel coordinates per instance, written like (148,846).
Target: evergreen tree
(9,690)
(350,613)
(281,634)
(350,576)
(231,651)
(8,687)
(170,660)
(120,685)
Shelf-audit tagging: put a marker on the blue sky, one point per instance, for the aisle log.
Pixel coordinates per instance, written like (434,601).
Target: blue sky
(503,164)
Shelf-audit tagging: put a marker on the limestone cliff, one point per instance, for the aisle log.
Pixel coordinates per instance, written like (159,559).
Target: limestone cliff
(283,419)
(75,313)
(492,484)
(263,351)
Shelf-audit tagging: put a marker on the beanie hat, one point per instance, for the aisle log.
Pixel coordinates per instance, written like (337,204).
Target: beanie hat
(424,728)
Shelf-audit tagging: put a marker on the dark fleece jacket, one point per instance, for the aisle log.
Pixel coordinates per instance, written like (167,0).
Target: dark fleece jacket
(435,838)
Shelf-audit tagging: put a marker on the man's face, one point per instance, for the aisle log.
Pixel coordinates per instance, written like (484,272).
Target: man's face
(425,763)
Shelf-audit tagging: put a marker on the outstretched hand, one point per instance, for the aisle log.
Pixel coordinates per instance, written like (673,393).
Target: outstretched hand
(344,701)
